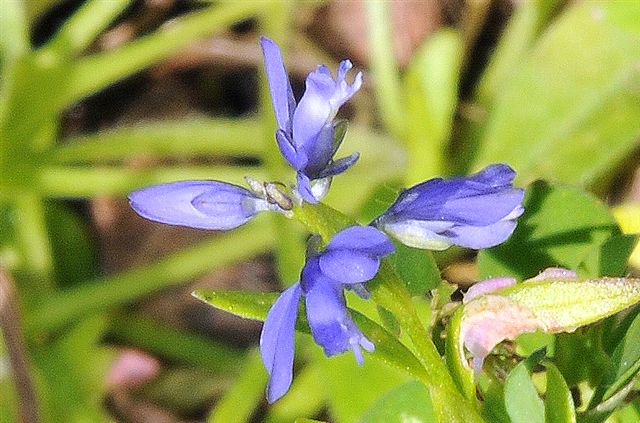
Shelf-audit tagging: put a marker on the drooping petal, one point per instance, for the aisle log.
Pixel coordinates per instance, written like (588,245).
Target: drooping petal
(478,211)
(353,254)
(277,342)
(197,204)
(282,98)
(331,326)
(304,188)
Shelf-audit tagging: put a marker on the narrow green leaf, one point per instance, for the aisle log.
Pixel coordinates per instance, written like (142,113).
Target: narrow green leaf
(611,258)
(176,345)
(86,181)
(84,26)
(624,364)
(409,402)
(515,43)
(178,268)
(239,403)
(561,226)
(384,68)
(558,402)
(96,72)
(574,100)
(431,87)
(183,138)
(521,398)
(255,305)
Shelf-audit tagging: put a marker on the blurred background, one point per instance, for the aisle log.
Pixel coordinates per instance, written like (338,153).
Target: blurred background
(101,97)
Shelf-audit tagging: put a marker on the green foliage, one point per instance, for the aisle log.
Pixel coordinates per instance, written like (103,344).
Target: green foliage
(408,402)
(521,398)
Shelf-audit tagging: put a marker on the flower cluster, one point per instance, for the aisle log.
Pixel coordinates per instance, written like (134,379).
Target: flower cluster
(478,211)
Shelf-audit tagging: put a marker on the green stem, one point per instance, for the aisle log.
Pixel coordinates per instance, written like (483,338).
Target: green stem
(105,293)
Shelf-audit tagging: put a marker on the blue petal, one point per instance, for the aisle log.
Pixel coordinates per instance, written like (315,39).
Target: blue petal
(277,342)
(304,188)
(481,199)
(319,152)
(322,98)
(297,160)
(279,86)
(366,239)
(331,326)
(197,204)
(353,254)
(339,165)
(478,237)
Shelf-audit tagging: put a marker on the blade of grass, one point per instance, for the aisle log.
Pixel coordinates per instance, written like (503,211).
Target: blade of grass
(108,292)
(233,137)
(239,403)
(384,69)
(92,181)
(98,71)
(85,25)
(177,345)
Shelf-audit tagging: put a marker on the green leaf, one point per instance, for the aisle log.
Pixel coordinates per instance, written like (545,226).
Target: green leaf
(521,398)
(565,304)
(101,294)
(558,402)
(184,138)
(407,403)
(624,364)
(560,227)
(84,26)
(255,305)
(431,90)
(99,70)
(417,268)
(611,258)
(572,111)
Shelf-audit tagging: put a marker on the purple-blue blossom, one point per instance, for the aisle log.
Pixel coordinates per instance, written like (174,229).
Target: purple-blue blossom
(477,211)
(351,257)
(307,135)
(199,204)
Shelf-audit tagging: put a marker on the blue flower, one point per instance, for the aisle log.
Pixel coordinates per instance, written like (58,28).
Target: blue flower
(199,204)
(351,257)
(478,211)
(307,135)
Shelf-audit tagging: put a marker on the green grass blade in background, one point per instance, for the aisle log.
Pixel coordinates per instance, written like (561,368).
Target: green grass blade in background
(239,403)
(520,34)
(100,70)
(572,113)
(384,69)
(84,26)
(87,181)
(176,345)
(431,91)
(130,285)
(183,138)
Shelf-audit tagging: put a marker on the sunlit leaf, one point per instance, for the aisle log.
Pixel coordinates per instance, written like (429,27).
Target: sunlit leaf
(407,403)
(521,398)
